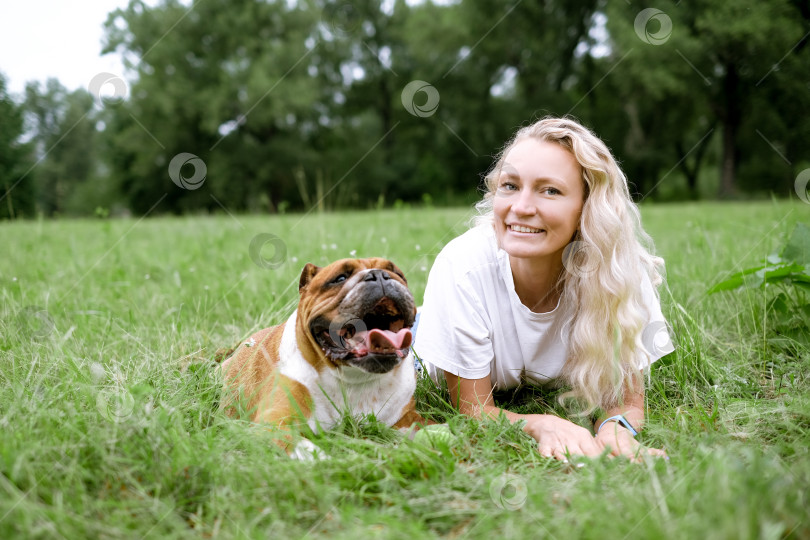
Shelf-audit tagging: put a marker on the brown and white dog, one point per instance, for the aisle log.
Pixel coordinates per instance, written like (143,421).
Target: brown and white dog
(345,349)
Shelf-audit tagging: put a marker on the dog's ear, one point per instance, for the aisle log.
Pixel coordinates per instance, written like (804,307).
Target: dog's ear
(307,274)
(395,269)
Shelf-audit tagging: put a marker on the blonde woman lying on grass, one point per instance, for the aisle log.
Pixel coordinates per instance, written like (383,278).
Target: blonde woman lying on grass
(553,284)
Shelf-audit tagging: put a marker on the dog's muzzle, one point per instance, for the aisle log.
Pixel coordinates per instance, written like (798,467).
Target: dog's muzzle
(372,328)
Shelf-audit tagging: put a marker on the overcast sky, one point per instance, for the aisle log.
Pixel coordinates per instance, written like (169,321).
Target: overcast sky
(55,38)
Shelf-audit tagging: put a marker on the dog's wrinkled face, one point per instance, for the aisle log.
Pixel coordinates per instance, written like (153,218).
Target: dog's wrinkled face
(359,312)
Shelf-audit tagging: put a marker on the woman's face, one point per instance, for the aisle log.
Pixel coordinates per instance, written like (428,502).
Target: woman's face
(538,200)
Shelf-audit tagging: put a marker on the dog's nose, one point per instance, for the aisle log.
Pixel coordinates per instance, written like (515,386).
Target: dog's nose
(376,274)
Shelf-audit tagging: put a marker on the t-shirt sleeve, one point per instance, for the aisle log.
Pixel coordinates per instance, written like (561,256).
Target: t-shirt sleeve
(453,333)
(655,338)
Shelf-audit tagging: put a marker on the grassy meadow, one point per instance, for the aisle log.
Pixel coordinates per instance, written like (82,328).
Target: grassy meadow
(109,424)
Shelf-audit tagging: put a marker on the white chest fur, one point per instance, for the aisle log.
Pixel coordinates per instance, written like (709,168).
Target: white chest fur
(346,389)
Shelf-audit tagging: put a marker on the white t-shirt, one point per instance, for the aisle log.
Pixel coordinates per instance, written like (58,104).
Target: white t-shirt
(473,324)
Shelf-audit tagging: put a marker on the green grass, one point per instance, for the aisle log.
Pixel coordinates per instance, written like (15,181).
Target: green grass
(110,427)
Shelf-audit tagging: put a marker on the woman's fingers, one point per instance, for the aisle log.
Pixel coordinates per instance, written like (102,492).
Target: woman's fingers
(545,450)
(562,452)
(560,455)
(630,449)
(592,448)
(557,452)
(657,452)
(637,452)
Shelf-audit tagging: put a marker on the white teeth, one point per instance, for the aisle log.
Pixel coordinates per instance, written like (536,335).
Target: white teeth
(520,228)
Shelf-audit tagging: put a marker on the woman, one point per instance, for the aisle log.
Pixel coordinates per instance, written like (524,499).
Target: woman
(552,284)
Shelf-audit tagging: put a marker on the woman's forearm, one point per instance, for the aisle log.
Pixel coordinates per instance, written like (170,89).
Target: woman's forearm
(484,411)
(632,409)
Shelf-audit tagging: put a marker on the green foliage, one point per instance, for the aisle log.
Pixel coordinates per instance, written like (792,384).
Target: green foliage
(63,125)
(788,272)
(17,191)
(713,91)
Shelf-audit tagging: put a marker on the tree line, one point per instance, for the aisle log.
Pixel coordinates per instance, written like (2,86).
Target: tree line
(265,106)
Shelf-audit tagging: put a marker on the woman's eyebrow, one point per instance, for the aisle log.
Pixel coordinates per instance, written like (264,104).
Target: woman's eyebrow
(510,171)
(552,179)
(515,174)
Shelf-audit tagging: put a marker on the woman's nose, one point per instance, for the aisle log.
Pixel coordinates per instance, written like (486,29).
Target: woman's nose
(525,204)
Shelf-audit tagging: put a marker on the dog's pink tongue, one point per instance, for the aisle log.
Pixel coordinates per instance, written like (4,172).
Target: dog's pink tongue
(385,340)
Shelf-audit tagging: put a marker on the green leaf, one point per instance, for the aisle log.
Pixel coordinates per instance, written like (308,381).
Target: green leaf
(797,249)
(775,274)
(734,281)
(752,278)
(779,304)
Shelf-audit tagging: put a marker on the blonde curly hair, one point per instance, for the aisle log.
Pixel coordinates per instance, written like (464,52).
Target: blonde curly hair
(605,264)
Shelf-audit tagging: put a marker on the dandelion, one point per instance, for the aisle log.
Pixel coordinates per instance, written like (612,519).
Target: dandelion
(146,276)
(97,371)
(353,253)
(417,247)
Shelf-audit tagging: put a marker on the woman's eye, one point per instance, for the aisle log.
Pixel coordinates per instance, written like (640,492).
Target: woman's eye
(552,191)
(507,186)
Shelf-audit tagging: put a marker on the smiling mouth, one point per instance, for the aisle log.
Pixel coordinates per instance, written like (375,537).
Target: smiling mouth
(385,331)
(522,229)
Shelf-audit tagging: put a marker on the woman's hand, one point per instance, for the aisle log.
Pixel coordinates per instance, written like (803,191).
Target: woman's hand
(555,437)
(558,438)
(618,440)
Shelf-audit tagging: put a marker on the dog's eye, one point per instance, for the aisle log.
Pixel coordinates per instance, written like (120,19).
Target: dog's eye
(340,279)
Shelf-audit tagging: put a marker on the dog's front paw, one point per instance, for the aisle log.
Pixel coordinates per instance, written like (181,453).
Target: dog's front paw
(307,450)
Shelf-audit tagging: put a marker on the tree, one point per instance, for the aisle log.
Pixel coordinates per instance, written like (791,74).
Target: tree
(302,103)
(224,80)
(700,66)
(16,187)
(64,134)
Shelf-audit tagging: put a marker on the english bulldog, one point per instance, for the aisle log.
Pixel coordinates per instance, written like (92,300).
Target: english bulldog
(344,349)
